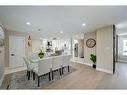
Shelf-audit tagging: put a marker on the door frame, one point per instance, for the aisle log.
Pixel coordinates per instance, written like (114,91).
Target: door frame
(114,49)
(9,51)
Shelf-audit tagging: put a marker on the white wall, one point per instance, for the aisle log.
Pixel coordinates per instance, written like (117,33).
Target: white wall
(78,36)
(1,57)
(36,43)
(105,49)
(88,51)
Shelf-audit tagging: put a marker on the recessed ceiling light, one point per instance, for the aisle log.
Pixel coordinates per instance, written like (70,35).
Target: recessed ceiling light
(39,30)
(83,24)
(28,23)
(61,32)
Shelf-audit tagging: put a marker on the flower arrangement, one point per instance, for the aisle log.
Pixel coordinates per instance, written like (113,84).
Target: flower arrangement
(41,54)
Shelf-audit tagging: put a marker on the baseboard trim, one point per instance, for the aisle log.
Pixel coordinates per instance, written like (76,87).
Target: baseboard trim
(122,61)
(104,70)
(85,64)
(2,78)
(81,62)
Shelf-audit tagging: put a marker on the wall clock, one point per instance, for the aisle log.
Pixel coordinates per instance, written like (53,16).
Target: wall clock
(90,43)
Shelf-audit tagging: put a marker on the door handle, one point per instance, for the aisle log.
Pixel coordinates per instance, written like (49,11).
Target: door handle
(12,54)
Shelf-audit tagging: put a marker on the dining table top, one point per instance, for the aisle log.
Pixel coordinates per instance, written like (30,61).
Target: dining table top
(46,57)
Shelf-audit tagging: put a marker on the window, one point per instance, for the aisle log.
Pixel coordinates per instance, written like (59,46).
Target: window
(125,47)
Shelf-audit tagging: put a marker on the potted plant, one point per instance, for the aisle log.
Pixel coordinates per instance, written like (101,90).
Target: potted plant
(93,59)
(41,54)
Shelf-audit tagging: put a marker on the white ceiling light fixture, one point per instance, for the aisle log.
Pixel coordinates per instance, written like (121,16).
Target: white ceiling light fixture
(28,23)
(61,32)
(83,24)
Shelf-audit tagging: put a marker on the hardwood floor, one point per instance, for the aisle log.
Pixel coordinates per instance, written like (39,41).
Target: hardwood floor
(85,77)
(116,81)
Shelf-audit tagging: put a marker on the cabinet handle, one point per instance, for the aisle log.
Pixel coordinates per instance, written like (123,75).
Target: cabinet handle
(12,54)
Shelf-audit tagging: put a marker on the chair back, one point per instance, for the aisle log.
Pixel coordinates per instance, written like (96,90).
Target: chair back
(57,62)
(33,56)
(27,62)
(44,66)
(66,60)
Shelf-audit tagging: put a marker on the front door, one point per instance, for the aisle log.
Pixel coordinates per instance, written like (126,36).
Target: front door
(16,51)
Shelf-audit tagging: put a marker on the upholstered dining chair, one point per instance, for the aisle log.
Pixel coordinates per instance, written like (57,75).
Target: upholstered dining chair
(44,67)
(56,64)
(29,66)
(66,62)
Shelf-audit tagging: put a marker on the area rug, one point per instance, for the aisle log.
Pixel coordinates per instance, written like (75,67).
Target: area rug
(19,80)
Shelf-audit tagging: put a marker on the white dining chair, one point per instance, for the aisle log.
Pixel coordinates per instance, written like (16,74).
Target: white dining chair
(33,56)
(66,62)
(44,67)
(30,66)
(56,64)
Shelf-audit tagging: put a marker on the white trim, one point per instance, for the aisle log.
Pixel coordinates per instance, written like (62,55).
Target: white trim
(123,61)
(2,78)
(84,63)
(104,70)
(9,70)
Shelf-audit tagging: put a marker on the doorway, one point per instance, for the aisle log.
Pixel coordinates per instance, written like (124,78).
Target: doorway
(16,51)
(121,51)
(122,48)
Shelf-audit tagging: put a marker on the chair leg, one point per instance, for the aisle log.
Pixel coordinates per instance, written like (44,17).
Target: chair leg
(49,77)
(52,75)
(68,68)
(28,75)
(38,81)
(60,71)
(33,75)
(8,86)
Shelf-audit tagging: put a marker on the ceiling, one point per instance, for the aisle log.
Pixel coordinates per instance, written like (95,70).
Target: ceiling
(121,28)
(53,19)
